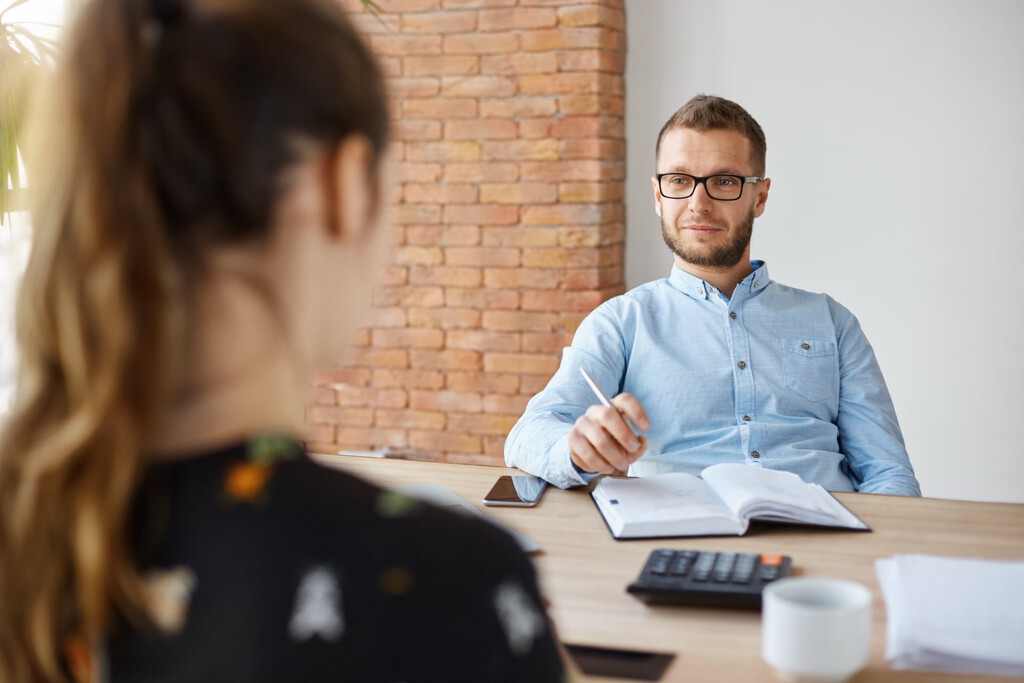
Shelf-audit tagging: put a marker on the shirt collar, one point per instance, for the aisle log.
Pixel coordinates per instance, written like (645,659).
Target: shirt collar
(697,288)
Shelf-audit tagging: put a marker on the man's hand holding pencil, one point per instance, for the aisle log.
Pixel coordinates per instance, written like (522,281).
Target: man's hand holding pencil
(603,439)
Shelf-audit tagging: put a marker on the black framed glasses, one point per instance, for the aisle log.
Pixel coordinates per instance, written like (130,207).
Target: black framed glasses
(723,187)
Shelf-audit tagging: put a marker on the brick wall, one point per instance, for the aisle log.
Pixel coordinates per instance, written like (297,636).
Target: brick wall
(510,220)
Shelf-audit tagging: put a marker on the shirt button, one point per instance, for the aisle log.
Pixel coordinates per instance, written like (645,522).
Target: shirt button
(732,314)
(805,346)
(755,454)
(741,365)
(746,418)
(756,284)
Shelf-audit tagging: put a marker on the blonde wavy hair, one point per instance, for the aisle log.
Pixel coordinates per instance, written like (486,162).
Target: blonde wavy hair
(164,131)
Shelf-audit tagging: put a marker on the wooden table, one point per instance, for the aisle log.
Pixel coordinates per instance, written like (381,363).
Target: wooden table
(584,571)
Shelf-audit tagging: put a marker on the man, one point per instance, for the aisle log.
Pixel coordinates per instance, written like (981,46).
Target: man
(716,363)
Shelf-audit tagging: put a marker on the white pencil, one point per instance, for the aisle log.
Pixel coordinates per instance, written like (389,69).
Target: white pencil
(605,401)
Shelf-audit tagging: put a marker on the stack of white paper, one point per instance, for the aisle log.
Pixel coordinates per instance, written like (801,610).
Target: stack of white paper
(954,614)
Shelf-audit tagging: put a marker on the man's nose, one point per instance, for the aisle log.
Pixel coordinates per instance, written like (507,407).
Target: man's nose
(700,200)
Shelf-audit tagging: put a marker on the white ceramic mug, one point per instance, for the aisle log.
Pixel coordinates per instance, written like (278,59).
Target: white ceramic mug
(816,629)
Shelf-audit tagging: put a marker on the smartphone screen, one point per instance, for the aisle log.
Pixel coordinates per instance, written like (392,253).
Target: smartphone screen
(519,490)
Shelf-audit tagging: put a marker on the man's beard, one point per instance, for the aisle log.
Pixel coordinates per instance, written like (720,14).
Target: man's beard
(724,256)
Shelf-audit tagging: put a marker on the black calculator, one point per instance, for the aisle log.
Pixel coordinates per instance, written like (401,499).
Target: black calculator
(707,578)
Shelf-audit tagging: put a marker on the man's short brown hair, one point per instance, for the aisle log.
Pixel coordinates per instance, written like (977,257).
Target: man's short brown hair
(707,112)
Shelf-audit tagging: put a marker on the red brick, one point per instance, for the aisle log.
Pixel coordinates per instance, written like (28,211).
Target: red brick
(568,214)
(356,417)
(500,299)
(368,24)
(481,129)
(587,170)
(523,363)
(324,396)
(387,317)
(461,401)
(336,377)
(556,300)
(318,434)
(481,214)
(413,337)
(412,214)
(519,193)
(590,104)
(591,278)
(434,193)
(445,318)
(412,129)
(559,84)
(394,45)
(402,6)
(418,255)
(482,340)
(382,358)
(535,150)
(440,22)
(443,235)
(532,129)
(394,276)
(478,86)
(589,60)
(592,15)
(434,442)
(519,63)
(519,236)
(518,18)
(444,108)
(411,419)
(494,451)
(497,423)
(482,256)
(480,43)
(446,276)
(372,397)
(413,172)
(360,339)
(591,148)
(442,65)
(546,342)
(483,382)
(519,321)
(561,258)
(516,107)
(572,39)
(532,384)
(604,235)
(408,379)
(520,278)
(481,172)
(410,297)
(449,359)
(590,193)
(374,437)
(447,150)
(511,407)
(476,4)
(414,87)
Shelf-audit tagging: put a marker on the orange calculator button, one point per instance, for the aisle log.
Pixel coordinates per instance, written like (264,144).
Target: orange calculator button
(770,560)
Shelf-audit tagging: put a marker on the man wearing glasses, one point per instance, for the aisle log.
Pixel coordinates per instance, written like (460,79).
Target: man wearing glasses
(717,362)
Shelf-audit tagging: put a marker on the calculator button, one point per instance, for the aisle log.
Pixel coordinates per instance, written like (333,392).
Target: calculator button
(771,559)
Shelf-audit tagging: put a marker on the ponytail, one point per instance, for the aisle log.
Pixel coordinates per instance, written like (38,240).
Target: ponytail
(152,142)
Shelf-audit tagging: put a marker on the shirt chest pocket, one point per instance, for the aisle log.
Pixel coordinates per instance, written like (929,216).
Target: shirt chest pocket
(809,367)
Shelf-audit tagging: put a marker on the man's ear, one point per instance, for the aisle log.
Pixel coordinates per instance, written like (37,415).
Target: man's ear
(352,194)
(762,196)
(657,196)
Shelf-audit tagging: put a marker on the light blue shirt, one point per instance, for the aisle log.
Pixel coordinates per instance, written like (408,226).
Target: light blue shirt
(774,377)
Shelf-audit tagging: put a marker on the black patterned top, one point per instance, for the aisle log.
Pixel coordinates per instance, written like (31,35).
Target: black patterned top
(265,566)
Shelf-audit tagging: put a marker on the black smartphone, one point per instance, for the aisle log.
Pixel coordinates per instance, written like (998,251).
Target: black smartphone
(629,664)
(516,490)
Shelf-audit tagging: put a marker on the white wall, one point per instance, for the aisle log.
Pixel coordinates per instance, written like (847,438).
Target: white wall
(896,150)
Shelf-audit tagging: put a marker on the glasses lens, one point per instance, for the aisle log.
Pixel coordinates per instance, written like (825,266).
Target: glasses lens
(677,185)
(724,186)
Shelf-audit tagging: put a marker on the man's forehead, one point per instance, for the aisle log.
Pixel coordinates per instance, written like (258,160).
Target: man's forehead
(717,147)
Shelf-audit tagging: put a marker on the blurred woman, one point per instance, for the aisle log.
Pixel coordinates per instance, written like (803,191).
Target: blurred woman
(209,184)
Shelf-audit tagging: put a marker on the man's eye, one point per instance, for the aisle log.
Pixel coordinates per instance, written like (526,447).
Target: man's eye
(724,181)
